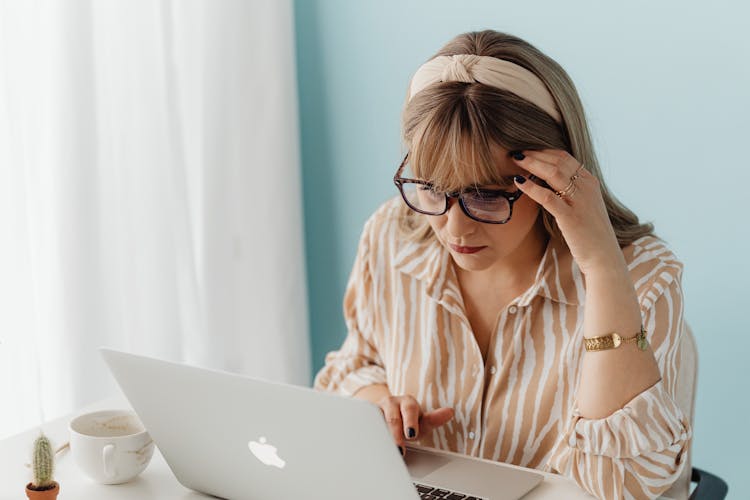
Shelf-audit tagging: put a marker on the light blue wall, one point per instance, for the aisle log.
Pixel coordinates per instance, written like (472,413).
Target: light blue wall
(666,91)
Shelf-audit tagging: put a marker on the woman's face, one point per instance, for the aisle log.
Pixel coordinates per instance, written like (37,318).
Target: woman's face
(490,244)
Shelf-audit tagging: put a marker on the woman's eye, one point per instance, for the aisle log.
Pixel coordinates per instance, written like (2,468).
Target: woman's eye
(429,190)
(486,198)
(486,195)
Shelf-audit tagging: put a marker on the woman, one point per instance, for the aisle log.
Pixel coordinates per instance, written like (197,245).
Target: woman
(506,305)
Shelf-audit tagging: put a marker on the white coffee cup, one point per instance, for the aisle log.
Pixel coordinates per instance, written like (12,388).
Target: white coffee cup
(110,446)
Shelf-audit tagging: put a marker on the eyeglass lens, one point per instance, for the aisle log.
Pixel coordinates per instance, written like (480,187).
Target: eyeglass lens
(484,206)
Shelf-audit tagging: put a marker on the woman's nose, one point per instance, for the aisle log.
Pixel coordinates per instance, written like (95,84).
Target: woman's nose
(458,224)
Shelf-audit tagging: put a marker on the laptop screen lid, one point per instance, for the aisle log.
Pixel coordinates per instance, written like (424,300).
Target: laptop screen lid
(238,437)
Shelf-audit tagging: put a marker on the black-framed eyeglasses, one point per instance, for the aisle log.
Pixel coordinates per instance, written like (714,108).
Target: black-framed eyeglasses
(491,206)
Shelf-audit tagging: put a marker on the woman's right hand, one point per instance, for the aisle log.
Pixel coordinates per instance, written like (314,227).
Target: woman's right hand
(407,421)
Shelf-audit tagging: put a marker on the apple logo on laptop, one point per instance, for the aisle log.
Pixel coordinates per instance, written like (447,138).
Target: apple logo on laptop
(266,453)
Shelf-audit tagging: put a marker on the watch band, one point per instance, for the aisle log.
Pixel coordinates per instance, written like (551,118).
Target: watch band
(614,340)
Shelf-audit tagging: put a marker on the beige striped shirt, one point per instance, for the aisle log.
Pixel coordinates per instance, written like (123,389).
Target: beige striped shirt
(407,327)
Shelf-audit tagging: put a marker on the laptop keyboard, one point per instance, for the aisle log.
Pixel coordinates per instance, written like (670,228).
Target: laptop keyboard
(431,493)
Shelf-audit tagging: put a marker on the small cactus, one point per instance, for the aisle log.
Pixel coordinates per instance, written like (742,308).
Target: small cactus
(43,464)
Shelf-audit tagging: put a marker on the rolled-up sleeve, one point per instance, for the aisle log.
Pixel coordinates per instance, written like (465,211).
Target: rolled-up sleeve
(357,363)
(640,450)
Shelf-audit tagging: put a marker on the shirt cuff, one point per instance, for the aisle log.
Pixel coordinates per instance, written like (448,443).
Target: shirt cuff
(651,421)
(355,380)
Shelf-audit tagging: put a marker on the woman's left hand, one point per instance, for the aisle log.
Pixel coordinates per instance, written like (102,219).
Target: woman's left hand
(581,214)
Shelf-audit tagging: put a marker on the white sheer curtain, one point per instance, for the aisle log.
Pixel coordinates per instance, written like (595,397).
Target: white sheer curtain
(150,194)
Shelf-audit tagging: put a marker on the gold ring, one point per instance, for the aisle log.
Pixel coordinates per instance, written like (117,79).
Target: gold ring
(564,192)
(571,187)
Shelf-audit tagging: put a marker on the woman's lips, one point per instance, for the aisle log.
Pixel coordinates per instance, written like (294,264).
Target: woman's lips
(460,249)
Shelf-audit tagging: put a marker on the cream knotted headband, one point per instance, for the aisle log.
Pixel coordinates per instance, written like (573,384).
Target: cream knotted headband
(488,70)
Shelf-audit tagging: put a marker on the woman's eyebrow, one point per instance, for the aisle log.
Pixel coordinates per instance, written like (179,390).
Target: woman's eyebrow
(505,180)
(504,183)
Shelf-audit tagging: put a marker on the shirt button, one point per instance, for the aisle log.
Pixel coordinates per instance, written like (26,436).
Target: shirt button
(493,370)
(513,309)
(471,435)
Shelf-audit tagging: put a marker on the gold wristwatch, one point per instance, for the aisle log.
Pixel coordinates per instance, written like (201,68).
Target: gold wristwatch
(614,340)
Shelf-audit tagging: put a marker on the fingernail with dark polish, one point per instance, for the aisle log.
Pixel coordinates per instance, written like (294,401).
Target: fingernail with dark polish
(412,433)
(519,155)
(519,179)
(401,450)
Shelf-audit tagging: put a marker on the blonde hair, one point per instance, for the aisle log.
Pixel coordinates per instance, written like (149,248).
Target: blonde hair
(449,129)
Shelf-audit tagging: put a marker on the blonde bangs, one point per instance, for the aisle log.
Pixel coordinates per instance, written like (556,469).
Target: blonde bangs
(452,151)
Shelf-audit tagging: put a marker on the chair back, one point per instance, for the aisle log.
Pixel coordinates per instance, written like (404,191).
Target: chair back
(687,377)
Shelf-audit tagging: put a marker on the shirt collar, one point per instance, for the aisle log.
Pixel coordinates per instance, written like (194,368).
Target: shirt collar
(557,278)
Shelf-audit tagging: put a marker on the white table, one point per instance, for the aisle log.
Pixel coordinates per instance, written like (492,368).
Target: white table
(157,481)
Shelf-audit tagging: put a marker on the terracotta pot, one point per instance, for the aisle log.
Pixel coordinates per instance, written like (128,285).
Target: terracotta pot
(50,494)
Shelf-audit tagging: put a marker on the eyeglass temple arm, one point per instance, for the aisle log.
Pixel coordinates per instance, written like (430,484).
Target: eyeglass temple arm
(397,175)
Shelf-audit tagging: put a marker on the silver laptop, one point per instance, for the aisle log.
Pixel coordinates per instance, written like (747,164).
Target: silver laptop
(238,437)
